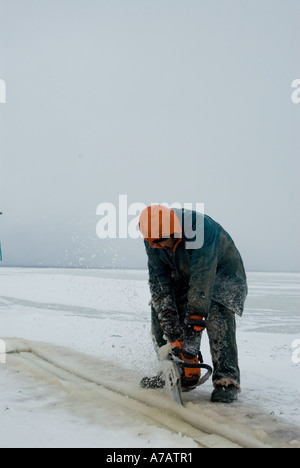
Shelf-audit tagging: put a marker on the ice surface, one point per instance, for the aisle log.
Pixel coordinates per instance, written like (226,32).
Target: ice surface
(105,315)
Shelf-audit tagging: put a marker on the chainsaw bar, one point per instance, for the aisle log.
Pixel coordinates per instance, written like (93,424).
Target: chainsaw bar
(172,380)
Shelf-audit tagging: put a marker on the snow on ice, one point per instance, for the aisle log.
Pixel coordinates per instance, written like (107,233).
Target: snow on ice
(79,329)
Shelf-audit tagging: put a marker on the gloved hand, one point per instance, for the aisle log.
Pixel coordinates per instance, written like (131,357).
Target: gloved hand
(190,376)
(176,347)
(192,334)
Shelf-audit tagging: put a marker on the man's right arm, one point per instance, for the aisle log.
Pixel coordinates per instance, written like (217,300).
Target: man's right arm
(162,294)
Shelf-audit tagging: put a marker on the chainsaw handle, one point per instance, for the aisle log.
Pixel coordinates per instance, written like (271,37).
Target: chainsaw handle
(205,377)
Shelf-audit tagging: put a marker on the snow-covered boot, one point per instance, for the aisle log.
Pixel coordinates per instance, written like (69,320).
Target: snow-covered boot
(224,394)
(153,382)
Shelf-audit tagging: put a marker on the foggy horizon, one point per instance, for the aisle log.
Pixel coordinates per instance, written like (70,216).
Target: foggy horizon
(162,101)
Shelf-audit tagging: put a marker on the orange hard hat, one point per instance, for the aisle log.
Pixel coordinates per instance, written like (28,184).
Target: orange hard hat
(158,222)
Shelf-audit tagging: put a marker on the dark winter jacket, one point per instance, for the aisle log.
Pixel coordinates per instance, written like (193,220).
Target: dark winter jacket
(214,271)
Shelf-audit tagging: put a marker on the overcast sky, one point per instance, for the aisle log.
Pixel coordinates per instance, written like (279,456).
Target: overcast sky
(161,100)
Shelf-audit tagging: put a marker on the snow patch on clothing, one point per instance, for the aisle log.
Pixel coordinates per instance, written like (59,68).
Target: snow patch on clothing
(227,383)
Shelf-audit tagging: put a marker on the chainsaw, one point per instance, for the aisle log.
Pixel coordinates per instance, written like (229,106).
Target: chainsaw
(173,372)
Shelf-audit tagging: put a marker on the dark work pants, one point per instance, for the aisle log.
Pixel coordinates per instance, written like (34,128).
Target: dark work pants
(221,330)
